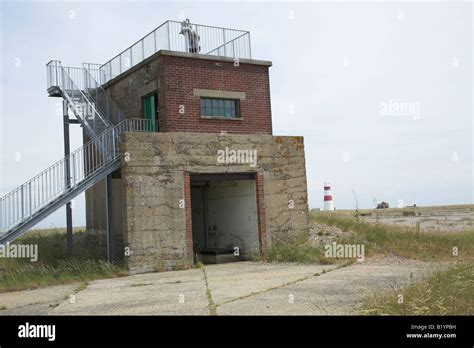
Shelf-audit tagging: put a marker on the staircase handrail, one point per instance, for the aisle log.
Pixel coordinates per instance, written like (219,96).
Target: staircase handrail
(22,202)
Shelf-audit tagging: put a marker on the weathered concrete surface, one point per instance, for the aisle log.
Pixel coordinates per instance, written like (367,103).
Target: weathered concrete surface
(338,292)
(236,289)
(252,278)
(180,293)
(153,183)
(36,301)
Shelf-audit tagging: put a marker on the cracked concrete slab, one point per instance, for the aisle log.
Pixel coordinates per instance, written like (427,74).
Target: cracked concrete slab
(232,281)
(231,289)
(172,293)
(338,292)
(35,300)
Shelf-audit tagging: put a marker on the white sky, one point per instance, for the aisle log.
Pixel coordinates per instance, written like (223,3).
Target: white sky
(334,65)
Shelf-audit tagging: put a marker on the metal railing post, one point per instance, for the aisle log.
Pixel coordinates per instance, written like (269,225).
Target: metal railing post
(29,198)
(107,107)
(169,36)
(22,203)
(62,79)
(225,48)
(250,46)
(73,160)
(113,143)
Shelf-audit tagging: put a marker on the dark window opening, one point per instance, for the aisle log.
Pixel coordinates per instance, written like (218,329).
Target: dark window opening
(216,107)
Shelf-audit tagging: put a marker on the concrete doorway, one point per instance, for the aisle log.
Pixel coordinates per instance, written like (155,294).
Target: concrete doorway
(224,217)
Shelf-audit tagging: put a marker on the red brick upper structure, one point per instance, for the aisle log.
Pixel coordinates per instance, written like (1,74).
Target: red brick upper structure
(180,80)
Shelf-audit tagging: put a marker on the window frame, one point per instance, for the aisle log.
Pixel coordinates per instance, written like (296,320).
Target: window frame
(212,100)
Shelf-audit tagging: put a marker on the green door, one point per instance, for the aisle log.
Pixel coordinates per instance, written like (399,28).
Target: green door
(149,108)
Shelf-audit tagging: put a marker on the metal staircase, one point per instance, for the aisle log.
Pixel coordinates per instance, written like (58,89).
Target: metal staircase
(102,120)
(70,84)
(103,123)
(93,81)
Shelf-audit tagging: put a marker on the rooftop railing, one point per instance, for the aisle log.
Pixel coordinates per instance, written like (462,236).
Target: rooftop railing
(215,41)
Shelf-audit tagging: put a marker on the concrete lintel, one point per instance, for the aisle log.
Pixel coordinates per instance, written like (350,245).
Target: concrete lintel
(221,118)
(211,93)
(215,58)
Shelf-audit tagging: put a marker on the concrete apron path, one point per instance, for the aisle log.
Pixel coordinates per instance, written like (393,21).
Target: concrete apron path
(244,288)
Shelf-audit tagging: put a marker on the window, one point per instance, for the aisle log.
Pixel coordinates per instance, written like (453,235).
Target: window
(215,107)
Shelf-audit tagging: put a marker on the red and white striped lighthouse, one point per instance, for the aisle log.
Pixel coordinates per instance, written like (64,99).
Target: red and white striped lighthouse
(328,203)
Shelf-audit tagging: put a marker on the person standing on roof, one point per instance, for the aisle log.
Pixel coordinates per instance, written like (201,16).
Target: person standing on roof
(192,38)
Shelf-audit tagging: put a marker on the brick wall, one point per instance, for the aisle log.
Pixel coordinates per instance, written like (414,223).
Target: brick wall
(174,77)
(182,75)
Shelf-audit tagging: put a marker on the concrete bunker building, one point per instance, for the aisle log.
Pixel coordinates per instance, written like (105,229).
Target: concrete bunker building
(179,161)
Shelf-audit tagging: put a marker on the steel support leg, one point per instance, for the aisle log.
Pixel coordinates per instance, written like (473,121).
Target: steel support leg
(108,212)
(67,177)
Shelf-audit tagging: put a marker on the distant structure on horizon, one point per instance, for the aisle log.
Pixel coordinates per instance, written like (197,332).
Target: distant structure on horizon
(328,203)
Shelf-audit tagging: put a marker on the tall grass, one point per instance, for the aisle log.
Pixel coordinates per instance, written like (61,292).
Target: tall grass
(402,241)
(54,265)
(295,252)
(447,292)
(378,239)
(34,275)
(294,249)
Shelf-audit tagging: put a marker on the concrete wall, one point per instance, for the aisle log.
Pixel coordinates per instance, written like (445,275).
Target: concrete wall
(156,184)
(96,225)
(233,220)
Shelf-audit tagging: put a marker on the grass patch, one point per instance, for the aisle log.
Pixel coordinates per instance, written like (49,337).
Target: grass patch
(81,287)
(20,276)
(54,266)
(140,284)
(211,304)
(297,250)
(448,292)
(198,264)
(403,241)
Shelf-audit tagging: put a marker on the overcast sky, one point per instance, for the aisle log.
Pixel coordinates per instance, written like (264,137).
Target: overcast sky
(382,92)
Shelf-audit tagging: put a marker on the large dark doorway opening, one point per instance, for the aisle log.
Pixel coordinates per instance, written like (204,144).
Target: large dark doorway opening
(224,217)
